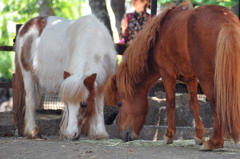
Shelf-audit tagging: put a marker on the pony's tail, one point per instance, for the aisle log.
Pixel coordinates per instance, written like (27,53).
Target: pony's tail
(227,80)
(18,96)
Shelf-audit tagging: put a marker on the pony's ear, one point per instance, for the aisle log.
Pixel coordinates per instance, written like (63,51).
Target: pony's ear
(89,81)
(66,75)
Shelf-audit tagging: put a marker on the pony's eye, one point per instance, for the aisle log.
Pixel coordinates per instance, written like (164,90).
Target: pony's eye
(83,105)
(119,104)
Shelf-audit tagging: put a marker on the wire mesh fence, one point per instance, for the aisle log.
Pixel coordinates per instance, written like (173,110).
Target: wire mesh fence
(201,97)
(49,102)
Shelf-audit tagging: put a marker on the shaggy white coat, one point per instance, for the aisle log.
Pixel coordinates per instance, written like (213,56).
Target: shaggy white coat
(81,47)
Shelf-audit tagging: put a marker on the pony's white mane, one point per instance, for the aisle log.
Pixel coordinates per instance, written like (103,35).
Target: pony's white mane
(73,89)
(91,43)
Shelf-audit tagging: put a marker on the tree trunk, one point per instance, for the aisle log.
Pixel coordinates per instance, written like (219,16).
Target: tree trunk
(118,7)
(99,9)
(45,7)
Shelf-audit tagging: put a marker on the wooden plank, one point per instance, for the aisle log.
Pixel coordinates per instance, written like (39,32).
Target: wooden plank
(119,47)
(5,84)
(6,48)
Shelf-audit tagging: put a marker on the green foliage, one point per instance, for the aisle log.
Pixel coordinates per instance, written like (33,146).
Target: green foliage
(226,3)
(6,66)
(6,58)
(19,12)
(68,9)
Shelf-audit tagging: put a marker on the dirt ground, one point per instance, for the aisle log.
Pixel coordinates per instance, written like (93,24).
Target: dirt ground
(52,147)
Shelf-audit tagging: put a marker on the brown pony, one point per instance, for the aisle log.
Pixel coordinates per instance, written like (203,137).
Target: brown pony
(182,44)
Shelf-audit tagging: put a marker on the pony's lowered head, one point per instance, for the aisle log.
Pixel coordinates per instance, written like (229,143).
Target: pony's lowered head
(80,106)
(128,88)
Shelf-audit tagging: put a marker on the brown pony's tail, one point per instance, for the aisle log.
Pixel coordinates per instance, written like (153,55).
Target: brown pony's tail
(18,96)
(227,80)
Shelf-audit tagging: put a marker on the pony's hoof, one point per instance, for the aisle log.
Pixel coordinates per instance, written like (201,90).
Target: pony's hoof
(199,141)
(205,147)
(167,140)
(34,134)
(209,146)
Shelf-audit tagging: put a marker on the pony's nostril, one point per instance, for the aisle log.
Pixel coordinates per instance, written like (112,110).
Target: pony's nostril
(75,135)
(69,137)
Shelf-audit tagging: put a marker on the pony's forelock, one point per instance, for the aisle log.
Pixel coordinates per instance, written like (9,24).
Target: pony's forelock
(73,90)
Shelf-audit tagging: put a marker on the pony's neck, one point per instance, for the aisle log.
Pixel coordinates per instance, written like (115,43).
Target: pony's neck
(151,80)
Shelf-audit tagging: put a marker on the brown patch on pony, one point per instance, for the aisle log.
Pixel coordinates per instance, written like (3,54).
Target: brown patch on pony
(18,96)
(39,23)
(134,69)
(90,109)
(26,54)
(227,78)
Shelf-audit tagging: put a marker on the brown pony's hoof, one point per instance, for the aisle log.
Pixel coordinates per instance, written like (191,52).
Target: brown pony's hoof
(208,146)
(199,141)
(167,140)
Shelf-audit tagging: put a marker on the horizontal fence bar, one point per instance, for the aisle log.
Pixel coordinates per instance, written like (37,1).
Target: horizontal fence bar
(120,48)
(6,48)
(5,84)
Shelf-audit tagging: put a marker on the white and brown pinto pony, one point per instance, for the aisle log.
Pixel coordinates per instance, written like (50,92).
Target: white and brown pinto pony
(45,48)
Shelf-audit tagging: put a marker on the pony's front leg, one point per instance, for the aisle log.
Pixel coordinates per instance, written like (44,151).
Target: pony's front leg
(31,129)
(97,125)
(194,107)
(169,85)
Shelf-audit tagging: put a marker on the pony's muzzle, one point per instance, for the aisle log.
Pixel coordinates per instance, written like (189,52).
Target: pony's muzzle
(73,137)
(129,135)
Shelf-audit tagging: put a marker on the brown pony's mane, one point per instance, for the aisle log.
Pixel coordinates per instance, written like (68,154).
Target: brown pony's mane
(133,70)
